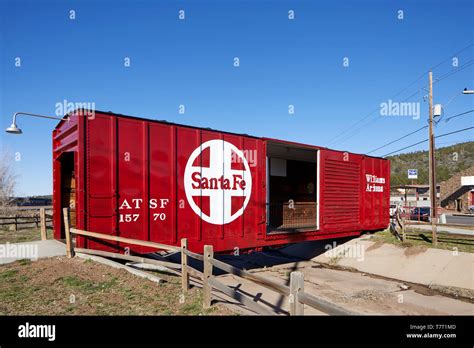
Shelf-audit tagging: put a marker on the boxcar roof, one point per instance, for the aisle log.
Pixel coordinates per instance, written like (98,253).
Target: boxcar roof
(110,113)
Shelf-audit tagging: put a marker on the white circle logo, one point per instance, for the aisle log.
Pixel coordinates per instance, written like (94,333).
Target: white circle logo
(218,182)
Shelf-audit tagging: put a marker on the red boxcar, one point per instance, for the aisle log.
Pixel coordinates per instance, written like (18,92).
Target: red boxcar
(159,181)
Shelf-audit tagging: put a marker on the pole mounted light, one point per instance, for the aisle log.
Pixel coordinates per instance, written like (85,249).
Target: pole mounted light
(466,91)
(13,129)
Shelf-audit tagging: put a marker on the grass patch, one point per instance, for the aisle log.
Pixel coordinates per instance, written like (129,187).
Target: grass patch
(8,274)
(414,237)
(23,235)
(87,286)
(24,262)
(61,286)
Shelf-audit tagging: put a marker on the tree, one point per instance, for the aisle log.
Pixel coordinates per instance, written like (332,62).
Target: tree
(7,181)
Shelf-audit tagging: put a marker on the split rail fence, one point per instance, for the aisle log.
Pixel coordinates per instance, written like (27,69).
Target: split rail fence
(40,219)
(297,297)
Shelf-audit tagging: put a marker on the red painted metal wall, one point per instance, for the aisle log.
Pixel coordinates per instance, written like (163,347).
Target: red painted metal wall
(139,179)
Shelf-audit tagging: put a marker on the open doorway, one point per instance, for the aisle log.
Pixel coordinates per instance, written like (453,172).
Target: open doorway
(292,185)
(68,185)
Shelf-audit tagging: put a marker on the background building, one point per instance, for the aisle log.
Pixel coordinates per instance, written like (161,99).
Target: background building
(457,193)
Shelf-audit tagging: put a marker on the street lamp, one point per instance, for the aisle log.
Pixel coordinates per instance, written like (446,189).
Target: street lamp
(13,129)
(466,91)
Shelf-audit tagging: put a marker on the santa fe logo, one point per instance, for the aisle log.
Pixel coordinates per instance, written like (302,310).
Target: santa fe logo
(217,176)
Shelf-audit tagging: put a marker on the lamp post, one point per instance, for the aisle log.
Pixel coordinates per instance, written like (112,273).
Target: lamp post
(13,129)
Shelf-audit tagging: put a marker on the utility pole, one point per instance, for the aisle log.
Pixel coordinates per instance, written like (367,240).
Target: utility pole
(432,169)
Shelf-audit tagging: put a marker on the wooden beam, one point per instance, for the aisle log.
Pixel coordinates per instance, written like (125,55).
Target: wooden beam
(322,305)
(269,284)
(207,288)
(172,267)
(129,269)
(67,230)
(296,286)
(126,240)
(43,223)
(184,266)
(245,300)
(194,255)
(195,273)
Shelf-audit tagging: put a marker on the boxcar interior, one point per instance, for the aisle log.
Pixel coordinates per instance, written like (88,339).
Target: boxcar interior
(291,189)
(68,185)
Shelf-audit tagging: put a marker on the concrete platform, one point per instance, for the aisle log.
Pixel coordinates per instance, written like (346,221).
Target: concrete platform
(12,252)
(356,292)
(426,266)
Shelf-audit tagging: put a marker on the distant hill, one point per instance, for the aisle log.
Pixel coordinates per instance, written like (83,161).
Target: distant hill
(449,161)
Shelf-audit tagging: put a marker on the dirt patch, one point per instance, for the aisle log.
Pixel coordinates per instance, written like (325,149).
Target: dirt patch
(368,295)
(415,250)
(465,295)
(376,245)
(454,292)
(61,286)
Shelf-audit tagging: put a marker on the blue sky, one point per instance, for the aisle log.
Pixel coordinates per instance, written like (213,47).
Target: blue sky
(191,62)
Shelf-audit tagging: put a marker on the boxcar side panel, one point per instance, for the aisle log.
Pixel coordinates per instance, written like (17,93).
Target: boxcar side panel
(132,180)
(375,178)
(188,223)
(163,183)
(209,232)
(233,199)
(101,195)
(340,191)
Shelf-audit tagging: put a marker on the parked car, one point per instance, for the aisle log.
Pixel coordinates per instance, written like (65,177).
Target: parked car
(420,214)
(471,209)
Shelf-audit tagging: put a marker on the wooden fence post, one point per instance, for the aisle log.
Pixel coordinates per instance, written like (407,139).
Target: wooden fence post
(67,230)
(404,235)
(296,285)
(184,266)
(16,222)
(208,254)
(401,220)
(43,223)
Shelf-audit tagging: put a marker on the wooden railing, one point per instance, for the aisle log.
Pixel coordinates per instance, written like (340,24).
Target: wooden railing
(400,221)
(41,219)
(295,293)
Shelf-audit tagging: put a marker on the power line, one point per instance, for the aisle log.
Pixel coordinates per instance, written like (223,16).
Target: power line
(361,127)
(454,132)
(376,109)
(462,67)
(416,131)
(456,141)
(455,71)
(423,141)
(400,92)
(452,56)
(394,141)
(458,115)
(406,147)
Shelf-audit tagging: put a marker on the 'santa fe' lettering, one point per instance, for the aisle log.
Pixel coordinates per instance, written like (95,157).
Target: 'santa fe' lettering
(236,183)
